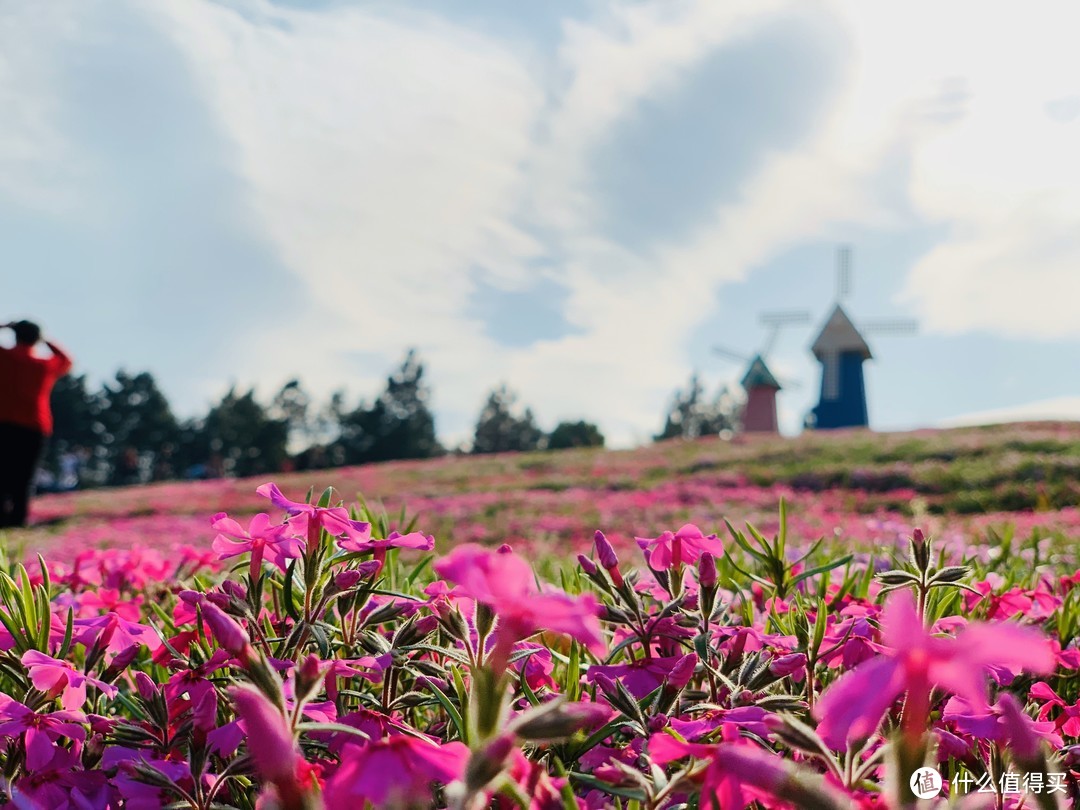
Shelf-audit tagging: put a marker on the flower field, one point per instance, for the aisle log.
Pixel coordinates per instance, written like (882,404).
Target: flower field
(774,623)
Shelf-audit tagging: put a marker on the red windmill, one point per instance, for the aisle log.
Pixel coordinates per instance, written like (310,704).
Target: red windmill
(759,412)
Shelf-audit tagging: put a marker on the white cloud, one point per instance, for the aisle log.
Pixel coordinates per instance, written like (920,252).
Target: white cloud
(1003,173)
(392,158)
(1057,409)
(37,164)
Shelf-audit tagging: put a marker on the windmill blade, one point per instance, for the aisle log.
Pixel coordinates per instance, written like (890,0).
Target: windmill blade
(843,273)
(784,317)
(890,326)
(775,321)
(720,350)
(789,384)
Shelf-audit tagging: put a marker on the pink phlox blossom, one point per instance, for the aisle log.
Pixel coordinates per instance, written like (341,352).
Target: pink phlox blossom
(277,544)
(674,549)
(396,771)
(505,583)
(272,746)
(106,600)
(1067,721)
(16,719)
(750,718)
(136,793)
(191,683)
(999,723)
(534,781)
(115,633)
(55,780)
(852,707)
(537,667)
(413,540)
(1067,658)
(738,771)
(375,725)
(307,519)
(848,643)
(640,677)
(61,678)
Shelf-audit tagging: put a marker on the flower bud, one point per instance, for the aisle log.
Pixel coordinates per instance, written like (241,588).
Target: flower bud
(559,720)
(192,597)
(369,568)
(683,671)
(604,551)
(587,565)
(707,570)
(227,631)
(657,723)
(121,661)
(785,665)
(344,580)
(219,599)
(145,684)
(235,590)
(487,763)
(920,550)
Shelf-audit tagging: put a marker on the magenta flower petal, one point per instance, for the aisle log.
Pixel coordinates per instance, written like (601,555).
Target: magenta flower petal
(852,707)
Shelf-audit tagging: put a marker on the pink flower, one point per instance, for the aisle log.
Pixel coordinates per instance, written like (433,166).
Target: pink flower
(394,772)
(16,719)
(671,550)
(61,678)
(1068,721)
(1005,722)
(278,544)
(310,519)
(505,583)
(640,677)
(853,706)
(739,772)
(273,747)
(115,633)
(417,540)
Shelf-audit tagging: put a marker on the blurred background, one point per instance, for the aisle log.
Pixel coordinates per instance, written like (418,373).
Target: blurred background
(578,201)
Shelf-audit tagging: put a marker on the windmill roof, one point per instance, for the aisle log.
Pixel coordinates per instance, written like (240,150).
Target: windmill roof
(840,335)
(758,375)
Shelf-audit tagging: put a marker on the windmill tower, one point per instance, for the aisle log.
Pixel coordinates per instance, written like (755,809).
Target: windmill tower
(759,413)
(841,349)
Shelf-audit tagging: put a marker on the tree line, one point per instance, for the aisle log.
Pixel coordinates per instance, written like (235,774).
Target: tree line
(125,432)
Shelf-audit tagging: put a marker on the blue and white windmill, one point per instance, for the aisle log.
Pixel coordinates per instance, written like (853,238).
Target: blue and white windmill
(841,349)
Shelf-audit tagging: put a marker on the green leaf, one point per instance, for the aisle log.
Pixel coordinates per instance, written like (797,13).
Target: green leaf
(821,569)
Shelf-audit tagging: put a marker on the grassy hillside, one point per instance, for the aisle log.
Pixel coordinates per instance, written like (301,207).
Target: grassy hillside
(960,471)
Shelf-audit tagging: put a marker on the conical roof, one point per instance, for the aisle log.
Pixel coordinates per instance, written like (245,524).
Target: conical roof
(840,335)
(758,375)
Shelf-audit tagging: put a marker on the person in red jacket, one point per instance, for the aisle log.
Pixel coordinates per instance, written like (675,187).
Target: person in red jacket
(26,380)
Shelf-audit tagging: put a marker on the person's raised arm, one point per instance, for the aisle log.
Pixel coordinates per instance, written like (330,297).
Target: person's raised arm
(64,358)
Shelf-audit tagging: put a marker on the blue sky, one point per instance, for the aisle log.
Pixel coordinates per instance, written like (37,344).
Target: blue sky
(576,198)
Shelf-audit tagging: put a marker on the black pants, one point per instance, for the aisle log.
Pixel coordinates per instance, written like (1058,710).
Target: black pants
(20,448)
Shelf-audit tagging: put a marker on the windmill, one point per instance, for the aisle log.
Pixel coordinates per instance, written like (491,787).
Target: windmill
(841,349)
(759,413)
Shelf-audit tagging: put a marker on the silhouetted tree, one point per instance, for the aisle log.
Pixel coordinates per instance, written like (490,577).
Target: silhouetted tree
(138,424)
(499,430)
(690,416)
(242,434)
(399,424)
(291,405)
(575,434)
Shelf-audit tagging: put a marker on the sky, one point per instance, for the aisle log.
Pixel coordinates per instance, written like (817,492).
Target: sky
(577,198)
